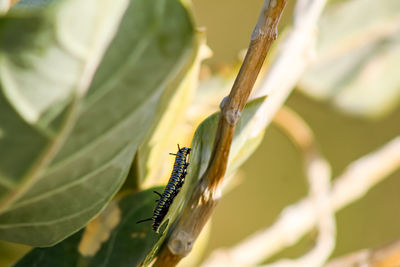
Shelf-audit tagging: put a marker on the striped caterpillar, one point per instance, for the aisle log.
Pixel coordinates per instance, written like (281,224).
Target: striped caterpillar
(173,187)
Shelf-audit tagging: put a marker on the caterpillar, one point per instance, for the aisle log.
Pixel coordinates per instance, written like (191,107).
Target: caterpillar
(173,187)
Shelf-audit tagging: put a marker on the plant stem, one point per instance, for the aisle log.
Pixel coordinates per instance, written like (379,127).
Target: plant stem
(206,193)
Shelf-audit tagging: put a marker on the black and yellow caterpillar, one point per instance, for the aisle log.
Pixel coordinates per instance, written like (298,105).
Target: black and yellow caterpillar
(173,187)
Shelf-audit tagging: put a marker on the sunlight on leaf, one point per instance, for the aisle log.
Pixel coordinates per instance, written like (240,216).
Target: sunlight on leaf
(167,133)
(96,125)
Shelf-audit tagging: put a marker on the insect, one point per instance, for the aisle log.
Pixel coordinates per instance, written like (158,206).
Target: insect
(173,187)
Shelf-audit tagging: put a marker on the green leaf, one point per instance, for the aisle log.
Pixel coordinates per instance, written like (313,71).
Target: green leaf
(248,135)
(129,242)
(174,126)
(67,138)
(154,153)
(249,132)
(64,254)
(126,245)
(11,252)
(358,56)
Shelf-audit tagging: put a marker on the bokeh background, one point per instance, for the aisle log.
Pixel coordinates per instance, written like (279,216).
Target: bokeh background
(273,177)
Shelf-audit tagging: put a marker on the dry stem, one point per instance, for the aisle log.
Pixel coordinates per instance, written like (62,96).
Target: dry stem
(318,174)
(206,194)
(297,219)
(386,256)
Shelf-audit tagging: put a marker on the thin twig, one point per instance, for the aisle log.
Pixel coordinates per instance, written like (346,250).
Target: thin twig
(388,256)
(294,55)
(295,220)
(206,194)
(318,174)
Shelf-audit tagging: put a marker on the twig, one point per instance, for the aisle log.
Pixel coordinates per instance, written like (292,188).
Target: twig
(295,52)
(318,174)
(294,56)
(206,194)
(299,218)
(385,256)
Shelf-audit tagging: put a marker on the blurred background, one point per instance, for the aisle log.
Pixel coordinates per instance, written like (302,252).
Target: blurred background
(349,120)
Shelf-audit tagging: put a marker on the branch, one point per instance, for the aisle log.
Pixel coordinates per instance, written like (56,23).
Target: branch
(206,194)
(385,256)
(297,219)
(318,174)
(294,55)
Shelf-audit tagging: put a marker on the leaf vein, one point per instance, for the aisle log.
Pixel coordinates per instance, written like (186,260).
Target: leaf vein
(84,178)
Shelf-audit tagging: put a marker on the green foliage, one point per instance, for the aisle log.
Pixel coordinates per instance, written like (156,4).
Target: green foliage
(126,246)
(167,132)
(128,242)
(80,130)
(69,128)
(242,147)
